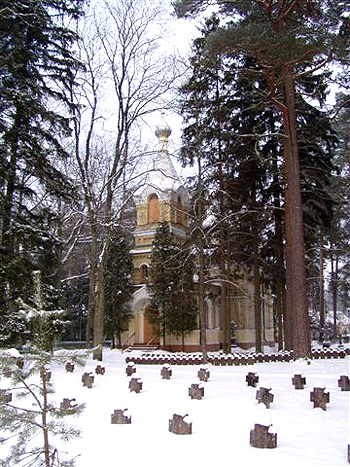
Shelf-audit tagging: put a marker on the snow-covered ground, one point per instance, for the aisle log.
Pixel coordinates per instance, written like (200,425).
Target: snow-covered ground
(221,421)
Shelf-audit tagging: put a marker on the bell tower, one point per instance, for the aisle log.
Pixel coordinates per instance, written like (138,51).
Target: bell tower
(162,198)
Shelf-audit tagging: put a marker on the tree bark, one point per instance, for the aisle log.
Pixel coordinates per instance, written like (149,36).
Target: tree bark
(99,315)
(297,310)
(257,289)
(7,239)
(225,300)
(279,273)
(334,283)
(93,254)
(321,282)
(202,320)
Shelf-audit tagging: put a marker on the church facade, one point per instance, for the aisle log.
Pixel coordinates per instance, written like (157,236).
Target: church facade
(163,198)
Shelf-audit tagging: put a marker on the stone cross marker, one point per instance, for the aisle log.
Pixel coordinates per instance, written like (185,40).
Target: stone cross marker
(196,391)
(118,417)
(100,370)
(263,395)
(251,379)
(203,374)
(87,380)
(135,385)
(166,372)
(319,398)
(130,369)
(261,438)
(178,425)
(69,367)
(298,381)
(344,383)
(66,404)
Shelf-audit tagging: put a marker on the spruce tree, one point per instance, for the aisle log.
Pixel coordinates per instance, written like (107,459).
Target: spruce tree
(119,286)
(338,239)
(224,121)
(172,308)
(36,63)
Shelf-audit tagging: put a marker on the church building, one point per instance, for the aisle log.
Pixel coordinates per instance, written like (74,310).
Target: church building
(161,198)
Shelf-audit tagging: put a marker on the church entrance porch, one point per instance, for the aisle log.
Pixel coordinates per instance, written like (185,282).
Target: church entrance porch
(150,332)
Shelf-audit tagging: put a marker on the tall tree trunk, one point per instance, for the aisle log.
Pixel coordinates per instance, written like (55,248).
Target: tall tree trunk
(321,282)
(334,283)
(99,313)
(279,269)
(202,320)
(7,239)
(257,289)
(225,295)
(226,318)
(93,255)
(225,300)
(297,309)
(288,312)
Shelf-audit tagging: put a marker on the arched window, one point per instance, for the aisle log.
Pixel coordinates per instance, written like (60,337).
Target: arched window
(144,273)
(179,212)
(153,209)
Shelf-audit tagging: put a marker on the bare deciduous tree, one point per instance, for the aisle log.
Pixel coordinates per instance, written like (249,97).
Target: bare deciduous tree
(120,48)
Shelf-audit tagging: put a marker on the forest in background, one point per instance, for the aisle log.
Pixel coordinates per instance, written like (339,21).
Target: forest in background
(77,84)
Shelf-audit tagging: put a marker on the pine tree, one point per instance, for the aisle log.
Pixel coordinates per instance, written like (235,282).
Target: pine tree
(288,40)
(30,378)
(36,64)
(119,286)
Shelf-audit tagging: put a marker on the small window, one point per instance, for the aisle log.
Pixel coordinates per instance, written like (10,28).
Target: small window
(153,209)
(144,273)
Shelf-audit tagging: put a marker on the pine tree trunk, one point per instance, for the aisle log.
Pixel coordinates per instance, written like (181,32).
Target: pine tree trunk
(280,269)
(334,282)
(297,310)
(202,320)
(225,300)
(321,282)
(288,312)
(257,288)
(226,319)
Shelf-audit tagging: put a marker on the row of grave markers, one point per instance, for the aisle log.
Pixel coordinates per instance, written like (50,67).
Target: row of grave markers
(260,436)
